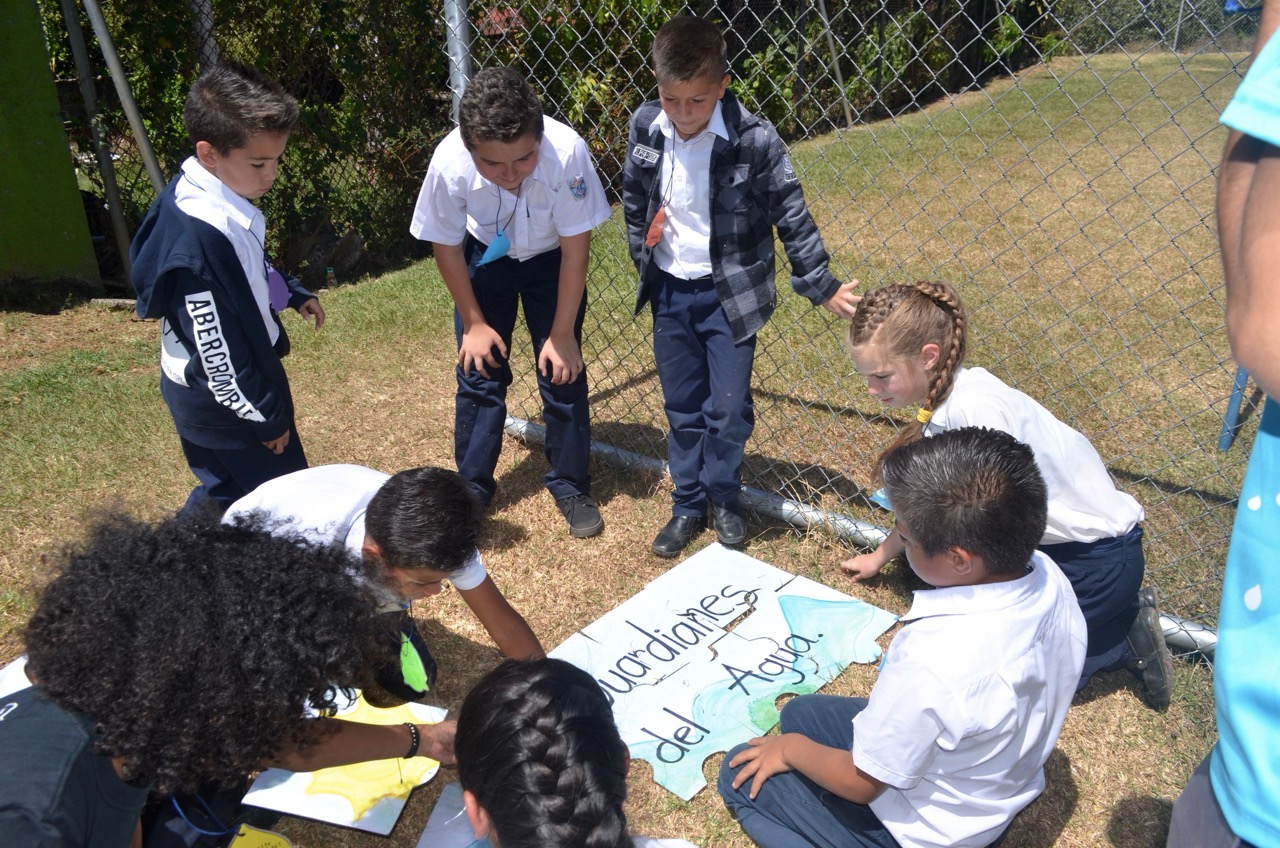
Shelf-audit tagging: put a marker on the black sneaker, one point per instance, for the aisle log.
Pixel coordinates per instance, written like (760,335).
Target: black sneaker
(1153,664)
(582,514)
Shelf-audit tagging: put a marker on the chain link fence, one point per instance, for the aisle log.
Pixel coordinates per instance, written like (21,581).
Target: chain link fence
(1053,161)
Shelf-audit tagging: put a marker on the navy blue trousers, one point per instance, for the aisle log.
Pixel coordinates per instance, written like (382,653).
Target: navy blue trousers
(480,410)
(791,811)
(706,392)
(226,475)
(1106,576)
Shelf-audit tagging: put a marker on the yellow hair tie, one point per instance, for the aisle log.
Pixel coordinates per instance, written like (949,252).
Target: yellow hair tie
(924,415)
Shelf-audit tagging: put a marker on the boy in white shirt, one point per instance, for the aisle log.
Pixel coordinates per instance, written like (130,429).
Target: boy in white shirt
(200,265)
(952,742)
(508,203)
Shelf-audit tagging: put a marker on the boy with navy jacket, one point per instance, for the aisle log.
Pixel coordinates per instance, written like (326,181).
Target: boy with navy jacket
(705,182)
(200,266)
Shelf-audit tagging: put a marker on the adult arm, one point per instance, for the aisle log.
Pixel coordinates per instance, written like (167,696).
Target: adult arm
(508,629)
(335,742)
(561,358)
(831,768)
(1249,233)
(479,340)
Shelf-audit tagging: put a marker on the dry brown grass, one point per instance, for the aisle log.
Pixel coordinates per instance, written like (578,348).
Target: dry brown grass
(82,425)
(380,394)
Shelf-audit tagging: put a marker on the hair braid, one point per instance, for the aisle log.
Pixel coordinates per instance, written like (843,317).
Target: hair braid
(902,319)
(537,746)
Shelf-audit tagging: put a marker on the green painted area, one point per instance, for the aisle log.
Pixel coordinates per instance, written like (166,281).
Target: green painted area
(43,232)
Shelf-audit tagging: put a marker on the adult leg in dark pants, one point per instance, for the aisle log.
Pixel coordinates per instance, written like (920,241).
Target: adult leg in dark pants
(228,474)
(791,811)
(706,388)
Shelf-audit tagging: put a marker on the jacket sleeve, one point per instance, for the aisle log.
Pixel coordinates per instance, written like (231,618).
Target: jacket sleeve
(228,355)
(635,200)
(811,275)
(298,295)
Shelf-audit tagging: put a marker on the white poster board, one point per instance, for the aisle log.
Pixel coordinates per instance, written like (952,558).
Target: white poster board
(367,796)
(695,662)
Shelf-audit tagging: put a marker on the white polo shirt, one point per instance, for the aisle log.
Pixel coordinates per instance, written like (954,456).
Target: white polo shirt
(205,197)
(685,184)
(327,504)
(562,197)
(969,704)
(1084,503)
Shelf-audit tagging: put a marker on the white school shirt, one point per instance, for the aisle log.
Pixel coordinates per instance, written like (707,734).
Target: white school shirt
(1084,503)
(968,706)
(326,504)
(562,197)
(685,183)
(203,196)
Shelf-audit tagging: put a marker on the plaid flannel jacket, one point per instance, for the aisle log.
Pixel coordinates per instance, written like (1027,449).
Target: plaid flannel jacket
(753,189)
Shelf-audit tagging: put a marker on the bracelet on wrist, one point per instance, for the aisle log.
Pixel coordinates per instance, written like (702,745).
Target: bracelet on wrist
(415,738)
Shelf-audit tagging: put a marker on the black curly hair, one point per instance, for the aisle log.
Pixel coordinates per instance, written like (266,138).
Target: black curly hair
(425,518)
(538,747)
(194,647)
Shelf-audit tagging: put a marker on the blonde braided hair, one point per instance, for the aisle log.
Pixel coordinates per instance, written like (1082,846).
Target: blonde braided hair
(902,319)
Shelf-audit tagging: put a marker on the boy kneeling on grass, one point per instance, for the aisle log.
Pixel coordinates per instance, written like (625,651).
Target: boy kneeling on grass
(952,742)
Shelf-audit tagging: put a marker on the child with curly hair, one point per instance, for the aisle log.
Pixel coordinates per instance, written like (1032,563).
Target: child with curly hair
(541,762)
(908,342)
(174,656)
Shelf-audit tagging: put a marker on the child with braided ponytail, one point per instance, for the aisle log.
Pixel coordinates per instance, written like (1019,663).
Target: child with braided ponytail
(541,762)
(908,342)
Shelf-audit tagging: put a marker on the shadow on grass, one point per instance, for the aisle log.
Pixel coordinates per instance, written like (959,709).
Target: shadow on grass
(1139,822)
(1041,823)
(46,297)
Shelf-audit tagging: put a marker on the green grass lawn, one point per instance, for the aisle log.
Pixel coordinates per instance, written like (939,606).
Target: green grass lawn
(1073,211)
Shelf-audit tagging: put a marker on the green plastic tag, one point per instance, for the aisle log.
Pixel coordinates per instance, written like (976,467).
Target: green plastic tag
(411,667)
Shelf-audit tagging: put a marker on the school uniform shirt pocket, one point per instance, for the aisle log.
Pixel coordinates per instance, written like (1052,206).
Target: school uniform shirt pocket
(733,188)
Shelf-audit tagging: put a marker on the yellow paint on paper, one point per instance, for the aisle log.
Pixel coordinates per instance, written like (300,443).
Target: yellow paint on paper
(365,784)
(252,837)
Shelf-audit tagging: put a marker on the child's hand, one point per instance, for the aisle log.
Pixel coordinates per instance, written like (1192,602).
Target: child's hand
(844,302)
(761,761)
(862,567)
(560,359)
(476,350)
(278,444)
(437,741)
(312,309)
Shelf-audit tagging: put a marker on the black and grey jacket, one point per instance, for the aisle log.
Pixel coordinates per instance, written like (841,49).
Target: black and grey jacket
(753,189)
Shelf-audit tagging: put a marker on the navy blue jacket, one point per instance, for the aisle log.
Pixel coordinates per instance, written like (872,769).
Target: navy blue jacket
(753,189)
(220,374)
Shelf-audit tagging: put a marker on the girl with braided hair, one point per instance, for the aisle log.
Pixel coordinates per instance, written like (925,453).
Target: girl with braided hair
(908,342)
(541,762)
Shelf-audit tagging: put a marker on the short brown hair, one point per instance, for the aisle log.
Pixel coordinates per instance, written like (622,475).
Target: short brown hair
(498,105)
(688,48)
(230,102)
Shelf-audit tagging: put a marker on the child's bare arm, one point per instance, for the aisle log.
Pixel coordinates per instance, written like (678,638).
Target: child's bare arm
(831,768)
(478,339)
(335,742)
(508,629)
(865,566)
